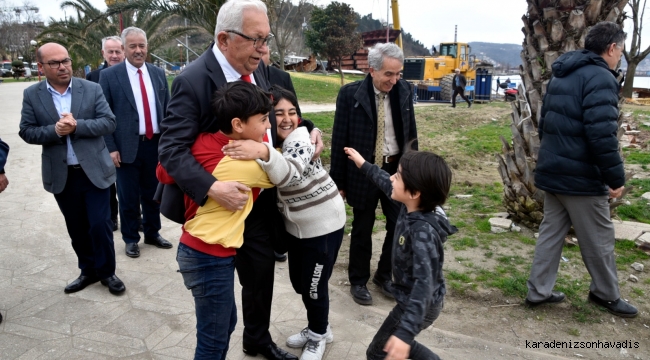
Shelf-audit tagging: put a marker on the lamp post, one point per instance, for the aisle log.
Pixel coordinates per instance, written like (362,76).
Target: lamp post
(35,45)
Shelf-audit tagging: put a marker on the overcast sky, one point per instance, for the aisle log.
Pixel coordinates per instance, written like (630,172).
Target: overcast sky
(429,21)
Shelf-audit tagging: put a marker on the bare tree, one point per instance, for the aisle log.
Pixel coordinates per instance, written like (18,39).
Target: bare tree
(634,56)
(285,19)
(18,26)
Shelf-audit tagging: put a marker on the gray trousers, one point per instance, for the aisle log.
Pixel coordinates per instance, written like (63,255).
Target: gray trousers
(595,231)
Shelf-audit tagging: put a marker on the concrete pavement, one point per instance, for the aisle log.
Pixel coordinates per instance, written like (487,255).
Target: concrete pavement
(154,319)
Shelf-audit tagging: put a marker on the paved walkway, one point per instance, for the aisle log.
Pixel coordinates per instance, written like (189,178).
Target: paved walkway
(154,319)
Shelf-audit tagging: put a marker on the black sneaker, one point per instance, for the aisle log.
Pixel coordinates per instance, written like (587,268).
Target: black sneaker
(556,297)
(617,307)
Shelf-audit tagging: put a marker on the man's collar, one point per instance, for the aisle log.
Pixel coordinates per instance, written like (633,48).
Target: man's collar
(228,70)
(132,69)
(51,89)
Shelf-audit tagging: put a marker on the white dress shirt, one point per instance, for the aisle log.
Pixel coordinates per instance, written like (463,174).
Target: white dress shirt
(134,79)
(391,147)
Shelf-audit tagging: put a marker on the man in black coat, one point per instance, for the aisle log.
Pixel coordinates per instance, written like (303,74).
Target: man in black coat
(579,168)
(357,123)
(458,83)
(241,39)
(113,54)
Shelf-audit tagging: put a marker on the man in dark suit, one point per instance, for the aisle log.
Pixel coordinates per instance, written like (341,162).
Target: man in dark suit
(138,94)
(69,117)
(375,116)
(241,37)
(4,152)
(458,83)
(113,54)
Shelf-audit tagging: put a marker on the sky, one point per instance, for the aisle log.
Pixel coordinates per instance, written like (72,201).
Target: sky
(429,21)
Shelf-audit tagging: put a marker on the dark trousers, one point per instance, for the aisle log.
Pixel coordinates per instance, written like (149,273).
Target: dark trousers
(137,185)
(418,351)
(85,208)
(212,282)
(361,239)
(114,210)
(255,264)
(311,262)
(458,90)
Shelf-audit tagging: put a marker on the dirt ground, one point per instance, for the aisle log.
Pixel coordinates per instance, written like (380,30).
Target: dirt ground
(487,314)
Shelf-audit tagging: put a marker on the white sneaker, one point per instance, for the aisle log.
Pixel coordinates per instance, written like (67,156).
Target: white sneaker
(300,339)
(314,347)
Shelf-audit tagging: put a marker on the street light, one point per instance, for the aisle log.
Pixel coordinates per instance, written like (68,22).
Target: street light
(35,45)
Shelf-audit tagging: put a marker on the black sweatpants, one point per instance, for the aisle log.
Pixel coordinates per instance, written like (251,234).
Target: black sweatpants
(459,90)
(311,262)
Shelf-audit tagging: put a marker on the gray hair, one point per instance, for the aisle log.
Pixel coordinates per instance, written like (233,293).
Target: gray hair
(114,38)
(380,51)
(602,35)
(231,14)
(133,30)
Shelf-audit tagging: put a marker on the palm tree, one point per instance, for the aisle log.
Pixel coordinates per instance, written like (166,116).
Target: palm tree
(551,28)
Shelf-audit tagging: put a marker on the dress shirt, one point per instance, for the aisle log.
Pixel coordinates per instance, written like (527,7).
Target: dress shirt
(232,75)
(62,104)
(390,139)
(134,79)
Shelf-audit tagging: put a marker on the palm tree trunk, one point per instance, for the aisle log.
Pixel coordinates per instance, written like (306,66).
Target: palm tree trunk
(551,28)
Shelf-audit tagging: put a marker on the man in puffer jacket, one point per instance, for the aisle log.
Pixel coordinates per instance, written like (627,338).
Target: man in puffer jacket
(579,168)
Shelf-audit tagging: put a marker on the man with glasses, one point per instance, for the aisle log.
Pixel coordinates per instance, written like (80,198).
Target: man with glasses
(241,40)
(579,167)
(69,117)
(113,54)
(138,94)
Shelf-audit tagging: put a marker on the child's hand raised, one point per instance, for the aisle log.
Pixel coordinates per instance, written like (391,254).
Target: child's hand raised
(246,150)
(354,156)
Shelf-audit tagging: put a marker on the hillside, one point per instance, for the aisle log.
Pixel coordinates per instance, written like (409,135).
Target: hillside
(412,47)
(507,55)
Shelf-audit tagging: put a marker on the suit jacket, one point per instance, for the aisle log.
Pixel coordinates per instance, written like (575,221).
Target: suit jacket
(282,78)
(355,124)
(94,121)
(94,75)
(4,152)
(188,114)
(463,81)
(119,95)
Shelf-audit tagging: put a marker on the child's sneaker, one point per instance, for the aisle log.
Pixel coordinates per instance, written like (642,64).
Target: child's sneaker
(314,347)
(300,339)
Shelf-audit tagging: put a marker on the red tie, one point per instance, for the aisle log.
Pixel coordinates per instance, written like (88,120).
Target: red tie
(148,127)
(247,78)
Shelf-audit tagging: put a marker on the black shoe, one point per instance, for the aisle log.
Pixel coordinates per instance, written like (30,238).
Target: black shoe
(385,286)
(556,297)
(0,318)
(618,307)
(452,105)
(469,105)
(158,242)
(132,250)
(270,351)
(80,283)
(280,257)
(114,221)
(115,285)
(361,295)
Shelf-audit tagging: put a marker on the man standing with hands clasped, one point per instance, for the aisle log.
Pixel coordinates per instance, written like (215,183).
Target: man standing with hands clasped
(580,168)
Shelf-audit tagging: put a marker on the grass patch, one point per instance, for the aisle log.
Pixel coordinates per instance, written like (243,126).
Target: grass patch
(464,243)
(484,139)
(319,88)
(636,156)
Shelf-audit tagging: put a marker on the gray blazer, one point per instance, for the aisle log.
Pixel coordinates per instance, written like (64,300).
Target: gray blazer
(94,120)
(119,95)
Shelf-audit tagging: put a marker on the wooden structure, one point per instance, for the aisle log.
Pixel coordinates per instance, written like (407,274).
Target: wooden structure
(359,60)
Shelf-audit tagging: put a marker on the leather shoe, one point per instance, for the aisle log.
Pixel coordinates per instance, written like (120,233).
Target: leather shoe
(80,283)
(280,257)
(556,297)
(618,307)
(270,351)
(385,286)
(115,285)
(361,295)
(132,250)
(158,242)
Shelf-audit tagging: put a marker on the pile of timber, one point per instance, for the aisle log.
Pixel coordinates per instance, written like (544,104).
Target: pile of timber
(359,60)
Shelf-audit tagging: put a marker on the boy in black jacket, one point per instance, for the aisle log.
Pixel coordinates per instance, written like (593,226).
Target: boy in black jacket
(422,185)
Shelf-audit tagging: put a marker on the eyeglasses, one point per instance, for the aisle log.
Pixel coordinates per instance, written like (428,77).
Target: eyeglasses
(257,43)
(56,64)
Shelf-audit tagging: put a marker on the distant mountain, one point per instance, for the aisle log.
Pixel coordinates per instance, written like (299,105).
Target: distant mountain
(507,55)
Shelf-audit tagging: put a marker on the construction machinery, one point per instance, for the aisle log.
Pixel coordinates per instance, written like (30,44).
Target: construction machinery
(432,76)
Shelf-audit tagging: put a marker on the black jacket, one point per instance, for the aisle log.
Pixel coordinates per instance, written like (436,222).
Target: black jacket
(417,257)
(94,75)
(4,152)
(354,126)
(579,154)
(463,81)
